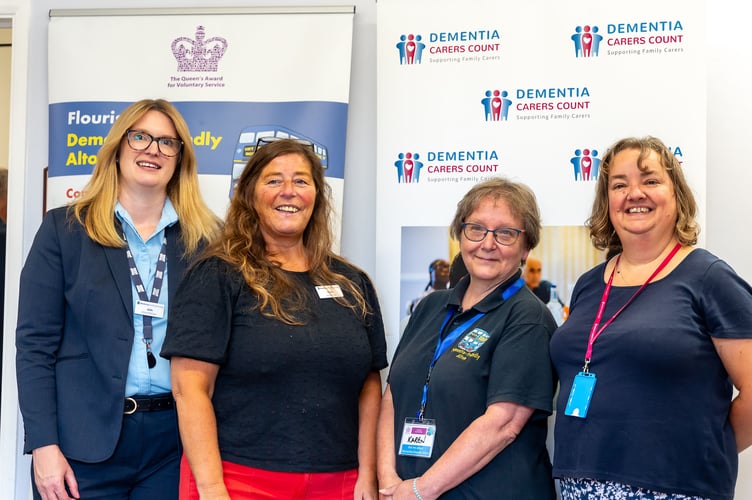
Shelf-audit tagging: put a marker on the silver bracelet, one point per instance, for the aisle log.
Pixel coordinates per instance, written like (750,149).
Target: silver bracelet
(415,489)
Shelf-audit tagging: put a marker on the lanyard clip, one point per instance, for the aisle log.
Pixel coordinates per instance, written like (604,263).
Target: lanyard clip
(585,368)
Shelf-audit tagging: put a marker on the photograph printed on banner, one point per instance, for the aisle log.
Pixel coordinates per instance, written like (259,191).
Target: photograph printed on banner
(428,264)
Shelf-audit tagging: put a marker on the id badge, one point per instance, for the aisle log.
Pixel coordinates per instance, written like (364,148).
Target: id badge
(329,291)
(146,308)
(580,395)
(417,438)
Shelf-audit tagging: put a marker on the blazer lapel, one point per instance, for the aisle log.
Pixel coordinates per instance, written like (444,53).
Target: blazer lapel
(118,262)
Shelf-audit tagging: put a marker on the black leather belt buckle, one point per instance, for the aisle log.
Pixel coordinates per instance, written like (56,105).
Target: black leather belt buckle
(130,406)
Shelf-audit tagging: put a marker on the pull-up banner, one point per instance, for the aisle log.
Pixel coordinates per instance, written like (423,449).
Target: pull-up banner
(235,76)
(533,91)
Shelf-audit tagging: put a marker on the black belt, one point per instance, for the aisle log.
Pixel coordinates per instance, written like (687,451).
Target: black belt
(148,403)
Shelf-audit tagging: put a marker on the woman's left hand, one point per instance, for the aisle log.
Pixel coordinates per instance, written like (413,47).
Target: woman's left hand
(365,489)
(403,491)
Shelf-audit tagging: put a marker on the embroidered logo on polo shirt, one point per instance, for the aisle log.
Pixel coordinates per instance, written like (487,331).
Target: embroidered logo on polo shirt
(470,343)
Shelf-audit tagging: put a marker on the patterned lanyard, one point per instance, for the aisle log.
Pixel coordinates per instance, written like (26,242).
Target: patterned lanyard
(155,290)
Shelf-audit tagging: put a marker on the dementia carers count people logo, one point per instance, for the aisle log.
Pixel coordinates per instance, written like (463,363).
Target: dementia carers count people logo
(461,165)
(539,102)
(586,41)
(410,48)
(408,167)
(648,37)
(496,105)
(585,163)
(479,45)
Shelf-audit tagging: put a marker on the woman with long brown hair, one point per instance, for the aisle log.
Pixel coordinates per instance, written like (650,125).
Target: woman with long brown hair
(276,346)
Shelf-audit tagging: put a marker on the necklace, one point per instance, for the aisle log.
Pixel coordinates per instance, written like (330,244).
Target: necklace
(633,275)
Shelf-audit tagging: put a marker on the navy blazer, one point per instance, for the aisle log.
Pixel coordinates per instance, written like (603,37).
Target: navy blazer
(74,337)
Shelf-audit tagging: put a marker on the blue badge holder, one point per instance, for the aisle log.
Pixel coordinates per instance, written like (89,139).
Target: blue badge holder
(580,395)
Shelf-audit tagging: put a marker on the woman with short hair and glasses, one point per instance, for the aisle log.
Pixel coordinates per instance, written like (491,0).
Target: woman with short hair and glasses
(464,414)
(276,346)
(99,418)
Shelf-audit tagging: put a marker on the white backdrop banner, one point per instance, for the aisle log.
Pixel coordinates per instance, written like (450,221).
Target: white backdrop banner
(234,78)
(532,91)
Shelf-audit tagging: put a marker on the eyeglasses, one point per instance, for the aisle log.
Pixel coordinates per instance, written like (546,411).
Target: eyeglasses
(263,141)
(503,236)
(140,141)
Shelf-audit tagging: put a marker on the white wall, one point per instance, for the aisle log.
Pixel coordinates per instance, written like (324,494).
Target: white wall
(729,176)
(730,70)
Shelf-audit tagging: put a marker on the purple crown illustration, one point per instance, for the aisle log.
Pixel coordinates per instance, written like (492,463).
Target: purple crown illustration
(200,54)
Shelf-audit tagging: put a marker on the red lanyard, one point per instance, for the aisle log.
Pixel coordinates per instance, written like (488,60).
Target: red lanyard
(595,331)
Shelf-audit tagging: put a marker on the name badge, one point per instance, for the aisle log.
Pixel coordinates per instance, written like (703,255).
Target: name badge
(329,291)
(417,438)
(146,308)
(580,395)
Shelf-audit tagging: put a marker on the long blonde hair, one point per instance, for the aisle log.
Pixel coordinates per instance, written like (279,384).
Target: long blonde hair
(95,209)
(242,243)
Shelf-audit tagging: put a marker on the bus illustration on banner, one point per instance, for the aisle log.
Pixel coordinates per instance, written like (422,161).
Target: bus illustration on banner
(249,138)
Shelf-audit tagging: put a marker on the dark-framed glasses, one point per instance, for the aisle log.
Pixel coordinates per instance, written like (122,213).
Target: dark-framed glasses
(140,141)
(263,141)
(503,235)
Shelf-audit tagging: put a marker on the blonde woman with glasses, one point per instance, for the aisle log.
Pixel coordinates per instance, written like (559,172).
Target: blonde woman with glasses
(99,418)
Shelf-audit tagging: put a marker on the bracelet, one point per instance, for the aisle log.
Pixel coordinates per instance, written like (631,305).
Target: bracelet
(415,489)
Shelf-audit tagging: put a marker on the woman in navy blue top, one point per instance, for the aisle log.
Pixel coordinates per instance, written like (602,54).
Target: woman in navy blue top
(656,339)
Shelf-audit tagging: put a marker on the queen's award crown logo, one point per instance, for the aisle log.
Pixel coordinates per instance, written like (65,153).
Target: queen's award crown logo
(201,54)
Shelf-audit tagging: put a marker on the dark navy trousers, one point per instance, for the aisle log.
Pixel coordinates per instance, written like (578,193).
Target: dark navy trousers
(144,466)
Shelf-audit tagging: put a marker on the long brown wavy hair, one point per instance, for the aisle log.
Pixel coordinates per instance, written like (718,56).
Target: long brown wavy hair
(242,244)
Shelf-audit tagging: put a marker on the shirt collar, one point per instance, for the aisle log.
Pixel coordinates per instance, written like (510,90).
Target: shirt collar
(489,302)
(168,218)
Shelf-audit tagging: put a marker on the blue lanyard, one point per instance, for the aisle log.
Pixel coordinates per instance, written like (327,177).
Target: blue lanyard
(443,344)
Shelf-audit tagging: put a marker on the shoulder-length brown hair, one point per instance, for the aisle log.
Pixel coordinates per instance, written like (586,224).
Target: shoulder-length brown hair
(242,243)
(96,207)
(602,232)
(519,198)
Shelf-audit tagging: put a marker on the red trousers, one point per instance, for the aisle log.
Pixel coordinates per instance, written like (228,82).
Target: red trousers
(248,483)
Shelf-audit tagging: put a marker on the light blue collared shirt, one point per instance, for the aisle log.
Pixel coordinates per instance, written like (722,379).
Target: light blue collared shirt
(142,379)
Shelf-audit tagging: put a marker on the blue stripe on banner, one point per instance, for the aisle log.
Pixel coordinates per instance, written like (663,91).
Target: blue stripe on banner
(220,131)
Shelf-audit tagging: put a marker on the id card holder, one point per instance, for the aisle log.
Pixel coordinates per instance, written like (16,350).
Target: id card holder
(580,395)
(146,308)
(417,438)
